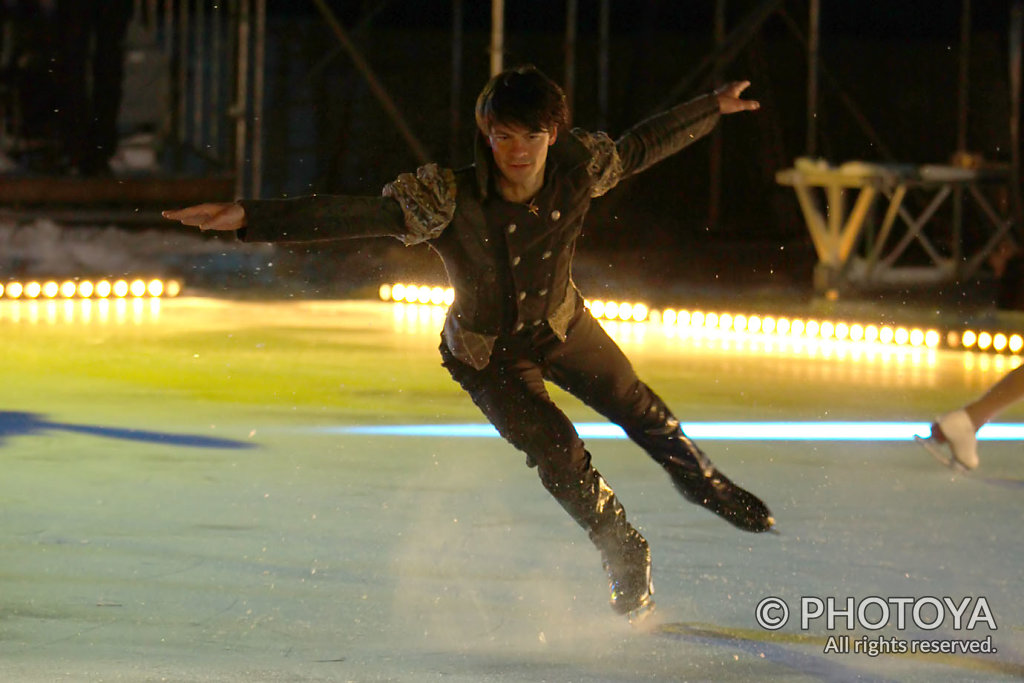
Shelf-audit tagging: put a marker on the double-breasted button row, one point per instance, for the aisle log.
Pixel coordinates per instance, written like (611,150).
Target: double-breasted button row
(540,292)
(533,323)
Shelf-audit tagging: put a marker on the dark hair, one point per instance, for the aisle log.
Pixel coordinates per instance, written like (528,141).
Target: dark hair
(521,96)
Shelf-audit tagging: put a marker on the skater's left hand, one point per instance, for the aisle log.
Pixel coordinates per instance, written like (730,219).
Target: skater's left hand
(729,101)
(210,216)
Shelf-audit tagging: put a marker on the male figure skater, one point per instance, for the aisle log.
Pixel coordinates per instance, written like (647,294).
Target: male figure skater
(506,229)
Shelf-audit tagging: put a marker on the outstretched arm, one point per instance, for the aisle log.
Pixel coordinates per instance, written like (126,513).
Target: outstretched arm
(414,208)
(664,134)
(210,216)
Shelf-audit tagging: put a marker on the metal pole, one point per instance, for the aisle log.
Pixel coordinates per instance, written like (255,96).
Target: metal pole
(961,130)
(571,12)
(258,81)
(241,106)
(371,78)
(168,29)
(183,61)
(813,27)
(965,65)
(497,36)
(603,62)
(198,82)
(741,34)
(215,83)
(715,163)
(455,103)
(1016,31)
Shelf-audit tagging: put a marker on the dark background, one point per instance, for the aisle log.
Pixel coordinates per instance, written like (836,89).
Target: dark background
(897,62)
(888,91)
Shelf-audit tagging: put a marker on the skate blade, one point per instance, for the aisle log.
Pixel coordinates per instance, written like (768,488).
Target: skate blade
(941,454)
(640,615)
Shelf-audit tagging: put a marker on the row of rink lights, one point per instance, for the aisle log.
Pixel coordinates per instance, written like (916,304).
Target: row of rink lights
(779,326)
(119,310)
(87,289)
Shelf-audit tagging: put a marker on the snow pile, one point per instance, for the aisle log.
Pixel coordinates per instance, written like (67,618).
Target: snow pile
(45,249)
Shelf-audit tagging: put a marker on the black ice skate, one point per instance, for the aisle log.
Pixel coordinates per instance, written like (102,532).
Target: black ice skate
(624,552)
(695,476)
(708,487)
(628,565)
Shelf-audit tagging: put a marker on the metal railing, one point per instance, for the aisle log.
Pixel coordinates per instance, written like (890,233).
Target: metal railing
(215,50)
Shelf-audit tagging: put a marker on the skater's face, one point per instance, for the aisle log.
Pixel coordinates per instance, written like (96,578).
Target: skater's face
(520,154)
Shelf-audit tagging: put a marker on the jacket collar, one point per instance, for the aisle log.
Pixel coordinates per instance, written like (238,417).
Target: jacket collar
(567,152)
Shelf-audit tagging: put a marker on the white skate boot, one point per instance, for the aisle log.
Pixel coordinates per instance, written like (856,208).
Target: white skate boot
(952,441)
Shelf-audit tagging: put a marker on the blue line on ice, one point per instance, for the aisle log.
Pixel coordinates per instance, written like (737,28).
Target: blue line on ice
(729,431)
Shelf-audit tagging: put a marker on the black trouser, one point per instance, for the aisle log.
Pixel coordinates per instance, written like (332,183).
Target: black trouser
(510,391)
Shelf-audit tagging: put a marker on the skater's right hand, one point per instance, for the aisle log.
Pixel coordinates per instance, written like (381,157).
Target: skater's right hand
(210,216)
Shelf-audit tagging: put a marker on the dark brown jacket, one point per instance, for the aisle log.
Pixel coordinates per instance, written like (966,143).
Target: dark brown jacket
(510,264)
